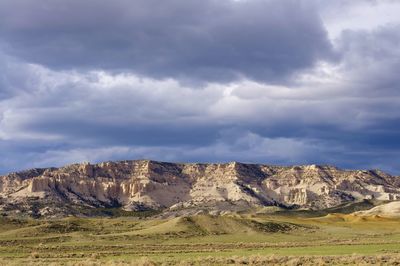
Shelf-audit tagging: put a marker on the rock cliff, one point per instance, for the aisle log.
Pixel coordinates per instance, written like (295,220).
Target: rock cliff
(144,184)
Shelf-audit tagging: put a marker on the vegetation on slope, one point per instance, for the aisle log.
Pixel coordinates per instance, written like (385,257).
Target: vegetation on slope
(200,239)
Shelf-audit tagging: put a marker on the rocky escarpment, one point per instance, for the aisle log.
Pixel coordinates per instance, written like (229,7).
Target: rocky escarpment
(143,184)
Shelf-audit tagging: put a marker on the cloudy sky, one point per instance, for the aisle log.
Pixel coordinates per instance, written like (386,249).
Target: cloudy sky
(263,81)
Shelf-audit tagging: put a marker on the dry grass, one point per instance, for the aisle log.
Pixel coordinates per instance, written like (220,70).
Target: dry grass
(235,260)
(201,240)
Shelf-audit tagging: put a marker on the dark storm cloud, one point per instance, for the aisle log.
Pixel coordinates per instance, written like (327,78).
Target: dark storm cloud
(190,40)
(79,80)
(97,133)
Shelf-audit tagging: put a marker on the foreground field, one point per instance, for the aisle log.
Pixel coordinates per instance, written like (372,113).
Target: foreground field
(202,239)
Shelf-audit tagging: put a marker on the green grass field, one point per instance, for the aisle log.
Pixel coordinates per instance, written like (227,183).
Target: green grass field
(203,239)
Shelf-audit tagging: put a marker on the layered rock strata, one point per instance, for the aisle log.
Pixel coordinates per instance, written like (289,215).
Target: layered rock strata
(157,185)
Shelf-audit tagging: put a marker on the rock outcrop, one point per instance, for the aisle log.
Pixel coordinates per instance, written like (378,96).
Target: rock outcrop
(134,185)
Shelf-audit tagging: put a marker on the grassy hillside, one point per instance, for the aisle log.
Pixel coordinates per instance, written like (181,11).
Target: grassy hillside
(198,239)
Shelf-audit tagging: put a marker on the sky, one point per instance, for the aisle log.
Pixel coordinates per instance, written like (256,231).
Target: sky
(256,81)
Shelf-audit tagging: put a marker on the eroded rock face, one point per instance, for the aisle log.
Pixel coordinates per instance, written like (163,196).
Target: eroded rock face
(157,185)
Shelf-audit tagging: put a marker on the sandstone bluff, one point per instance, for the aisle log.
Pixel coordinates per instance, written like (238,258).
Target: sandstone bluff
(144,184)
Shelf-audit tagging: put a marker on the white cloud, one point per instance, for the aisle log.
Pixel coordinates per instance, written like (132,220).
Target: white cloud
(340,15)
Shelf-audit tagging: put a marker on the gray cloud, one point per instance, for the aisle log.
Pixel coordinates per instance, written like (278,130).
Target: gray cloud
(96,116)
(373,59)
(13,77)
(188,40)
(77,85)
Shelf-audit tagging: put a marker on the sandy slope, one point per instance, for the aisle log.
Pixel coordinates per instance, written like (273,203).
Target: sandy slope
(391,209)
